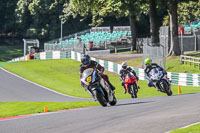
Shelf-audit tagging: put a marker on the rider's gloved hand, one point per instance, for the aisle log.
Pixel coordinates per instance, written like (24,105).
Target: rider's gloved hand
(122,83)
(100,72)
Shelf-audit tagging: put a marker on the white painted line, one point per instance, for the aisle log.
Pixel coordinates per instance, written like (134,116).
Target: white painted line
(185,126)
(41,85)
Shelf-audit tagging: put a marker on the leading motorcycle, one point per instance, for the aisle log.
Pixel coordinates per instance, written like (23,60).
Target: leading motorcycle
(160,81)
(97,87)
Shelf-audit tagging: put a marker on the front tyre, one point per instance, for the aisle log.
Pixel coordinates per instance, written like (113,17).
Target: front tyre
(166,87)
(114,101)
(133,91)
(101,98)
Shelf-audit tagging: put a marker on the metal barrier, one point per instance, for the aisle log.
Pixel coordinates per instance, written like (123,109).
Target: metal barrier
(190,59)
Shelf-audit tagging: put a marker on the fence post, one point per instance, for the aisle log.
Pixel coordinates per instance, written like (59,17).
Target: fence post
(195,42)
(182,62)
(199,65)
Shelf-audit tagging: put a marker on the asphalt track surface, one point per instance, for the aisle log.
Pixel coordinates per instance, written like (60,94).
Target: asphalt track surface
(142,115)
(117,57)
(15,88)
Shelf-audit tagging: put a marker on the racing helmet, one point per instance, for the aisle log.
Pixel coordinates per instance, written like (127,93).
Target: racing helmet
(85,59)
(147,61)
(124,65)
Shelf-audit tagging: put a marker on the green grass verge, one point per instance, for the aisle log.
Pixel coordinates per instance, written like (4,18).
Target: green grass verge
(9,52)
(21,108)
(190,129)
(172,65)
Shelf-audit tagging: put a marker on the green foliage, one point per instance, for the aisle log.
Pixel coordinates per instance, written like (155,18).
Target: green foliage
(40,17)
(7,18)
(10,52)
(99,9)
(188,11)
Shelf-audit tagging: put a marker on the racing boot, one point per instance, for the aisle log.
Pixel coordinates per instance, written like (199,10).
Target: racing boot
(125,91)
(92,95)
(111,86)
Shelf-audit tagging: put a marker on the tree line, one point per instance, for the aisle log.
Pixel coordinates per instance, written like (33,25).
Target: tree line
(42,18)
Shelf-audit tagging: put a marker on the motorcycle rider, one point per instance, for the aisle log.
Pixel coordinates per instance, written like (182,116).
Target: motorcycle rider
(124,70)
(88,63)
(149,66)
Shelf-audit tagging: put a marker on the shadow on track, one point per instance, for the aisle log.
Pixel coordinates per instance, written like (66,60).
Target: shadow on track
(186,94)
(124,104)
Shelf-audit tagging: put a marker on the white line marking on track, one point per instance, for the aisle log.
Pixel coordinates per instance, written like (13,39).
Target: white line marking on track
(40,85)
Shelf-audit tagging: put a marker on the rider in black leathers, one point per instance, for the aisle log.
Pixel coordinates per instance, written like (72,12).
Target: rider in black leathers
(124,70)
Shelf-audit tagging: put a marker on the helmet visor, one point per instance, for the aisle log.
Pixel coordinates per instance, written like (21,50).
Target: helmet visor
(124,67)
(148,64)
(85,62)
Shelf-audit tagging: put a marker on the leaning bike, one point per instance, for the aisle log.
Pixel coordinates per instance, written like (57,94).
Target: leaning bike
(160,81)
(98,88)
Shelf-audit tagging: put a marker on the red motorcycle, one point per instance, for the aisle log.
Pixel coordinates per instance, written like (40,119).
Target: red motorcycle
(131,84)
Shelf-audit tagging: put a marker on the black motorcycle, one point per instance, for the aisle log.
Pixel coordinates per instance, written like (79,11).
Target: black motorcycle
(98,88)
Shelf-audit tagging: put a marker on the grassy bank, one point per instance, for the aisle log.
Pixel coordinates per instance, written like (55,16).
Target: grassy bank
(172,65)
(21,108)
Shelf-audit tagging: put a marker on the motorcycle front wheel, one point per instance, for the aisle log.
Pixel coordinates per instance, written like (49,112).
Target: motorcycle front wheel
(166,87)
(133,91)
(101,98)
(114,101)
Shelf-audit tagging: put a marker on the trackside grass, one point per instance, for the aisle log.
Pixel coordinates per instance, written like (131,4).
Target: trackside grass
(172,65)
(190,129)
(21,108)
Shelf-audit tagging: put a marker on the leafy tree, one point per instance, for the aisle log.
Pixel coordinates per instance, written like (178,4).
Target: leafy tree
(40,18)
(180,12)
(99,9)
(188,12)
(7,21)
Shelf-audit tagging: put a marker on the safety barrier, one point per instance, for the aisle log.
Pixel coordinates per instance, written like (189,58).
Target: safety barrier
(190,59)
(176,78)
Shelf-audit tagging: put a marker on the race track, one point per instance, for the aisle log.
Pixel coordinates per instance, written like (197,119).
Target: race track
(142,115)
(14,88)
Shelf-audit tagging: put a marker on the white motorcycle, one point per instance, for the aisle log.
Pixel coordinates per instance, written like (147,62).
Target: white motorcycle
(97,87)
(160,81)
